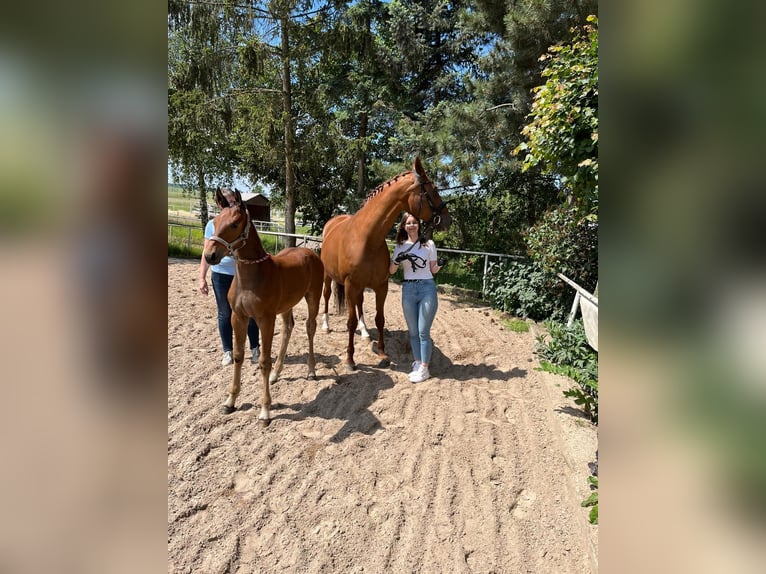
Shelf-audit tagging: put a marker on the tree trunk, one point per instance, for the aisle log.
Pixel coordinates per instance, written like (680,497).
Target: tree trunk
(202,197)
(361,183)
(289,136)
(361,174)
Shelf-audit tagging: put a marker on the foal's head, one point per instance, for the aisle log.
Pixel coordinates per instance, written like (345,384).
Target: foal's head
(424,202)
(231,225)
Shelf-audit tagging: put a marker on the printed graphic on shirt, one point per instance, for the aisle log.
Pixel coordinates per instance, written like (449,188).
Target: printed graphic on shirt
(416,261)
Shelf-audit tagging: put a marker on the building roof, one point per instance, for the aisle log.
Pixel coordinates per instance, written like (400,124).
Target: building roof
(255,199)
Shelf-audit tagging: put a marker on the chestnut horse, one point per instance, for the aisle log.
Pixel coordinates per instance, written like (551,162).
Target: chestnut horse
(263,287)
(355,254)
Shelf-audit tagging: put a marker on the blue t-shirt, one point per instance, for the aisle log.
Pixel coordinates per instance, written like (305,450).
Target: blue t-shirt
(227,266)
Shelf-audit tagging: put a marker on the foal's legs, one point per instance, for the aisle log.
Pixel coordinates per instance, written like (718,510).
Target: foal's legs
(239,326)
(327,293)
(266,327)
(312,302)
(287,328)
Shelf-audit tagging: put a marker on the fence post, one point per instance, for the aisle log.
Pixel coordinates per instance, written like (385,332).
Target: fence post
(484,278)
(573,312)
(188,240)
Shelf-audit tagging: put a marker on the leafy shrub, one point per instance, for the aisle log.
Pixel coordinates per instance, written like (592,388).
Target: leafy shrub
(567,353)
(524,289)
(562,242)
(592,500)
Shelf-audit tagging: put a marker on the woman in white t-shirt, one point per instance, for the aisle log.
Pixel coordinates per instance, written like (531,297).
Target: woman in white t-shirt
(419,301)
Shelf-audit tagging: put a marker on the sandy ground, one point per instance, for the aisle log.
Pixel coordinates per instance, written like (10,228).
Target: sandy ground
(480,469)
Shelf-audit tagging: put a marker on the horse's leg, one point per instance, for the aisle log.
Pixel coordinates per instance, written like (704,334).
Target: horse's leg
(312,301)
(287,328)
(266,327)
(352,298)
(360,314)
(327,293)
(239,326)
(380,322)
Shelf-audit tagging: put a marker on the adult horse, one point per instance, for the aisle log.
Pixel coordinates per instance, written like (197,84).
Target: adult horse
(355,254)
(263,287)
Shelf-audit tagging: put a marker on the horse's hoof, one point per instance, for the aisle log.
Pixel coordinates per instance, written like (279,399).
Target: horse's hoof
(384,362)
(272,378)
(264,422)
(350,368)
(227,410)
(312,376)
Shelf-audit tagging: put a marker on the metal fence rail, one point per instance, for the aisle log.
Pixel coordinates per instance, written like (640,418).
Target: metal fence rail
(459,261)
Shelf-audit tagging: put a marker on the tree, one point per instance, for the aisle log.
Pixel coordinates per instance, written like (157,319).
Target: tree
(562,137)
(199,120)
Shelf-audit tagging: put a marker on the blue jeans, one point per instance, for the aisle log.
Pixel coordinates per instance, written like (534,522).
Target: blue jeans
(419,303)
(221,283)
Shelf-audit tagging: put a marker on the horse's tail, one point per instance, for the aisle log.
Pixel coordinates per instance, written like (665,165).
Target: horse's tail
(340,297)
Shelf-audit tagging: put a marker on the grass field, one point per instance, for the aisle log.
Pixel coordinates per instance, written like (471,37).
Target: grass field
(178,202)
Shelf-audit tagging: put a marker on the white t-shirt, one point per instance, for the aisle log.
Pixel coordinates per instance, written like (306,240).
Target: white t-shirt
(419,267)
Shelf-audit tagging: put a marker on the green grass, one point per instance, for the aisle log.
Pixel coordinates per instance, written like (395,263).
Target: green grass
(516,325)
(188,241)
(458,274)
(180,251)
(177,201)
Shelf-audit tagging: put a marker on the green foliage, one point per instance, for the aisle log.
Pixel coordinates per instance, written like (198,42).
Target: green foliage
(567,353)
(465,273)
(371,85)
(592,500)
(525,289)
(494,217)
(562,243)
(562,137)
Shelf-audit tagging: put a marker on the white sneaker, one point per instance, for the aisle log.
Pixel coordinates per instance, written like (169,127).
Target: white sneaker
(256,355)
(420,375)
(415,368)
(227,360)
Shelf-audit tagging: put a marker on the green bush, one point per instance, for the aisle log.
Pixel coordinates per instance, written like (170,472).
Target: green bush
(562,242)
(524,289)
(567,353)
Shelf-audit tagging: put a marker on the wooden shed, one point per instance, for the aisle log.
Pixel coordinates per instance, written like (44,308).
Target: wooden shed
(261,209)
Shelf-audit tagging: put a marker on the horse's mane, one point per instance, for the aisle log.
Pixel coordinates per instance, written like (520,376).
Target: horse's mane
(380,188)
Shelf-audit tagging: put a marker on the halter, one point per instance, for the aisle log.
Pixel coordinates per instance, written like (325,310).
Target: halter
(242,238)
(435,210)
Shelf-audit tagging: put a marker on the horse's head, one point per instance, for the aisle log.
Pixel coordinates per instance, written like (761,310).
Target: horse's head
(232,226)
(424,202)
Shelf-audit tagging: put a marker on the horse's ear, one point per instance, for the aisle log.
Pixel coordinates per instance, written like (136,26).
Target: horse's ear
(220,199)
(237,197)
(417,167)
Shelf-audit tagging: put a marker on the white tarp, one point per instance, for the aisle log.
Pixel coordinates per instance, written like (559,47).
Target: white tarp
(588,308)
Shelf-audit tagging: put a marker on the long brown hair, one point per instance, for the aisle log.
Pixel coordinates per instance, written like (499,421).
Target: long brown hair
(401,233)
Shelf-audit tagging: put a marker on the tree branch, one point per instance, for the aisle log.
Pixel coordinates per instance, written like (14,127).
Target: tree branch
(498,106)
